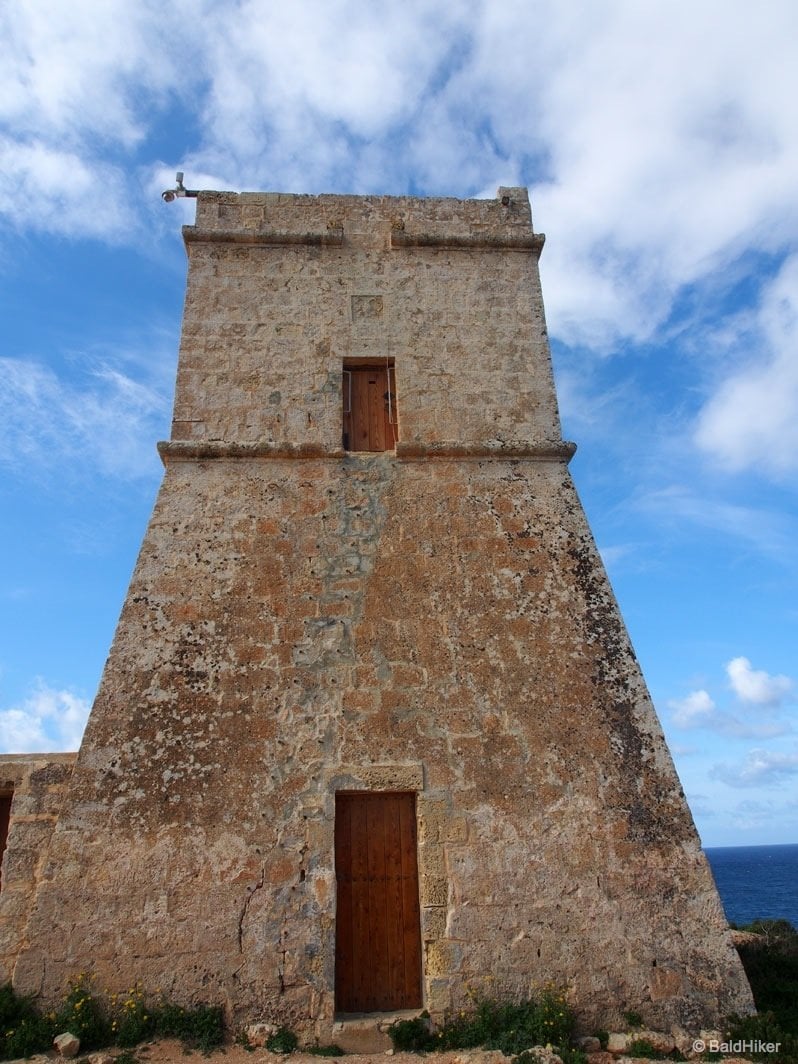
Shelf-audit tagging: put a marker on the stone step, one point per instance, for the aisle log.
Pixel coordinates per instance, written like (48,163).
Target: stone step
(367,1032)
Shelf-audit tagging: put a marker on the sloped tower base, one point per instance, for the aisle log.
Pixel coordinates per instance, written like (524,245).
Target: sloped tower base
(431,623)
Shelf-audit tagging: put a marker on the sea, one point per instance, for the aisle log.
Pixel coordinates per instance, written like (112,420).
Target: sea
(756,881)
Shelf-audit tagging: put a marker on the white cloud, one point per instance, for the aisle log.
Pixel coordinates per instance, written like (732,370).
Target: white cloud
(768,531)
(755,685)
(693,711)
(58,191)
(760,768)
(92,68)
(752,419)
(103,423)
(47,720)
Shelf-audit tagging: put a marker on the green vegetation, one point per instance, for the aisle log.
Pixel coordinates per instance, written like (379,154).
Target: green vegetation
(412,1036)
(633,1019)
(282,1041)
(772,969)
(324,1051)
(545,1020)
(641,1047)
(603,1037)
(98,1021)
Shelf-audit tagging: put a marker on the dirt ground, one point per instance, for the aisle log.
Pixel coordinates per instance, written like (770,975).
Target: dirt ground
(172,1052)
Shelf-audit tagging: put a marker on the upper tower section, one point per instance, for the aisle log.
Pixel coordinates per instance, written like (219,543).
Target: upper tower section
(325,324)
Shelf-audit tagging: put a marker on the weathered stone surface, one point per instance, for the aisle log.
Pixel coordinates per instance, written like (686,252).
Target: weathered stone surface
(622,1044)
(544,1055)
(662,1041)
(66,1044)
(258,1034)
(618,1042)
(588,1044)
(601,1057)
(303,620)
(101,1058)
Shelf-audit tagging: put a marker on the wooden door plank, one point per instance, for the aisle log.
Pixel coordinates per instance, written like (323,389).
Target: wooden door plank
(379,982)
(360,411)
(377,386)
(344,945)
(411,909)
(394,918)
(361,903)
(389,411)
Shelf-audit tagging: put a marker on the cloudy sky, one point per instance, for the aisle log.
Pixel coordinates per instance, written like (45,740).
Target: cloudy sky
(660,145)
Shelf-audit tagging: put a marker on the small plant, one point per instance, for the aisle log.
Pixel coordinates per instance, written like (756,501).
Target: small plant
(633,1019)
(324,1051)
(133,1022)
(84,1015)
(200,1027)
(282,1041)
(23,1031)
(571,1056)
(604,1038)
(641,1047)
(412,1036)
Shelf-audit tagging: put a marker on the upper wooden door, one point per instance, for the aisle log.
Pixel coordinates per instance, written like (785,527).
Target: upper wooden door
(378,932)
(370,420)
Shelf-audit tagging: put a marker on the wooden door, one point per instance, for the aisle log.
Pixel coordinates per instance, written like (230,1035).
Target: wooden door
(369,408)
(378,930)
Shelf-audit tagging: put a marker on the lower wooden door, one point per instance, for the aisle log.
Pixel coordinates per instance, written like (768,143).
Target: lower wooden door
(378,932)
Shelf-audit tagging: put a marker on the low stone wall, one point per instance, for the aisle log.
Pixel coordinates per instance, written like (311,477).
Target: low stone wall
(37,783)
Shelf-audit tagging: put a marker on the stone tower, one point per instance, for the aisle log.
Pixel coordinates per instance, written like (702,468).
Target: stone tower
(371,734)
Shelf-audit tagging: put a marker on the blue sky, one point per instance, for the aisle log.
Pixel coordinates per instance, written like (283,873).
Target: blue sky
(660,146)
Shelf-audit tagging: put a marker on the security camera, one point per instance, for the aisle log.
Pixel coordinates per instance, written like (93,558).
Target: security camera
(179,191)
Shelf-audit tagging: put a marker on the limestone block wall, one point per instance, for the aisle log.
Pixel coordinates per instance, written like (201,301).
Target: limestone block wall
(37,783)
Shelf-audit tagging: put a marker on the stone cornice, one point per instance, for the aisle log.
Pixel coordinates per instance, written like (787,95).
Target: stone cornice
(487,241)
(540,452)
(198,451)
(333,237)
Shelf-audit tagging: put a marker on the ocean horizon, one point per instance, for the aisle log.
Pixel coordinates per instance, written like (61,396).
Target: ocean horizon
(756,881)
